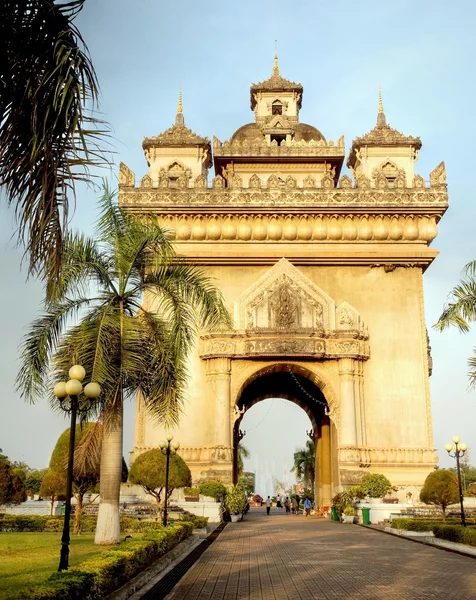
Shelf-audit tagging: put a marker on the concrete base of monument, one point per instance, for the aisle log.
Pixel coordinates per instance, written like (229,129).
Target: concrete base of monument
(380,511)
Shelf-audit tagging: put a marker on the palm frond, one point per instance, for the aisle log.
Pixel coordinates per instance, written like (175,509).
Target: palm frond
(83,263)
(472,369)
(48,141)
(39,344)
(460,310)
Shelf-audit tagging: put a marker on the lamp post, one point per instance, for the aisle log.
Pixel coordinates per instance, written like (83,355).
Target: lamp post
(168,447)
(72,389)
(458,448)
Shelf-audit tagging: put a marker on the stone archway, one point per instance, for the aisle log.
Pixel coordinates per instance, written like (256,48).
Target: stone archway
(301,386)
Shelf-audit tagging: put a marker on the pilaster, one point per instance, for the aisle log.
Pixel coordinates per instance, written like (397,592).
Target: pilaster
(348,430)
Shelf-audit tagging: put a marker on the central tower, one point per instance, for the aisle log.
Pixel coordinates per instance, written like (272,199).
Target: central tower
(323,276)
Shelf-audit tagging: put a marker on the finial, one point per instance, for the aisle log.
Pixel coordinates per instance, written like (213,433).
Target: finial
(381,118)
(180,106)
(179,116)
(276,65)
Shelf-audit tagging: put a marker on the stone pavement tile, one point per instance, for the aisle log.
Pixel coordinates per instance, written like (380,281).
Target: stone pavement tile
(287,557)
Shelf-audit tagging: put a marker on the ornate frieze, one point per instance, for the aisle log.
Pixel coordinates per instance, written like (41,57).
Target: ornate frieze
(219,197)
(260,345)
(374,457)
(260,147)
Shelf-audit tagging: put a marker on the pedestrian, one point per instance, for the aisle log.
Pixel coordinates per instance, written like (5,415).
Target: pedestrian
(307,506)
(287,505)
(278,502)
(268,505)
(295,506)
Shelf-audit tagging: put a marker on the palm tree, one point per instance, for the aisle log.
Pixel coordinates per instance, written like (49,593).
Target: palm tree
(242,453)
(460,310)
(48,139)
(305,464)
(127,344)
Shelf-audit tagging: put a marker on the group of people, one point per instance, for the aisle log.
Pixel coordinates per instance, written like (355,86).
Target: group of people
(289,505)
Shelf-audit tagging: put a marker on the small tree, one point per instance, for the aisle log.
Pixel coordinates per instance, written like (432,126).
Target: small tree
(148,471)
(441,489)
(235,499)
(11,485)
(375,485)
(33,481)
(247,482)
(53,487)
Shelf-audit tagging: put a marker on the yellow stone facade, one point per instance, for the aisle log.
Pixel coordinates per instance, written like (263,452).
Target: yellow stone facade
(323,277)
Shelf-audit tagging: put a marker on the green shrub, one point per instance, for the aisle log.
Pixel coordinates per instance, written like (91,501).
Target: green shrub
(375,485)
(191,491)
(198,522)
(456,533)
(414,524)
(213,489)
(99,576)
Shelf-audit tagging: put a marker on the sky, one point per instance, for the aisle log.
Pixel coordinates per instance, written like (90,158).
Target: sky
(419,51)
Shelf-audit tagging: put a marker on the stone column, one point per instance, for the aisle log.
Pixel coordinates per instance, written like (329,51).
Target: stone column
(326,458)
(348,430)
(219,374)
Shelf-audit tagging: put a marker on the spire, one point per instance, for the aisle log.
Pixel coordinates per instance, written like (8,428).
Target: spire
(179,120)
(276,65)
(381,119)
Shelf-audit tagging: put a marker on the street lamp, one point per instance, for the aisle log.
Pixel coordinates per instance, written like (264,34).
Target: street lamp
(168,447)
(72,389)
(458,448)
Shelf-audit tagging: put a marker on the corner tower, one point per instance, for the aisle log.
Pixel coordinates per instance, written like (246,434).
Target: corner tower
(323,276)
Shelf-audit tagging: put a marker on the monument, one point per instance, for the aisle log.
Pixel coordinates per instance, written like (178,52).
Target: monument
(323,276)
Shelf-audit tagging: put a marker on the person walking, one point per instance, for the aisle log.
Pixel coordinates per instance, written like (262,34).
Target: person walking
(278,502)
(295,506)
(287,505)
(307,506)
(268,505)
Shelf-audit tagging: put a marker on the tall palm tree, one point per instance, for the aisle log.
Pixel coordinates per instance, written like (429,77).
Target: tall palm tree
(305,464)
(48,138)
(124,344)
(460,310)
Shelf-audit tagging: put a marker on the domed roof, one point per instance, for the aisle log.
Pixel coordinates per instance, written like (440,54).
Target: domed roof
(302,132)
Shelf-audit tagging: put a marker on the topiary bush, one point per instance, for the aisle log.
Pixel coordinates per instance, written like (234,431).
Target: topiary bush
(213,489)
(414,524)
(375,485)
(441,489)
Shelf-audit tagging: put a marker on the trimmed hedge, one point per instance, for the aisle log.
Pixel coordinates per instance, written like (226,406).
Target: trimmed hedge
(414,524)
(99,576)
(17,523)
(213,489)
(198,522)
(456,533)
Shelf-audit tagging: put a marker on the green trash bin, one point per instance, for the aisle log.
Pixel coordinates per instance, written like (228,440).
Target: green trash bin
(334,514)
(62,509)
(366,515)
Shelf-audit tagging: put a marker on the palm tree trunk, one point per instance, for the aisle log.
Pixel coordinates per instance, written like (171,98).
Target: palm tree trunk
(78,512)
(108,527)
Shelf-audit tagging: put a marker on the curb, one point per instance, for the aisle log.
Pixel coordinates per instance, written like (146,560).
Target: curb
(460,549)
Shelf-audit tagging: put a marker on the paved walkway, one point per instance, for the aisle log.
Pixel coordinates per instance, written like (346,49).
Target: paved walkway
(287,557)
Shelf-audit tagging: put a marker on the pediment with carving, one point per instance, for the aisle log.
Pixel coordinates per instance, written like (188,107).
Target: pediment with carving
(284,299)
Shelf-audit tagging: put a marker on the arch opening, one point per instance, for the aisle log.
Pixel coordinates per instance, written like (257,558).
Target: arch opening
(295,384)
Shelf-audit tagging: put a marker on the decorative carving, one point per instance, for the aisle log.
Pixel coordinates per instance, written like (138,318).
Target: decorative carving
(381,181)
(438,175)
(290,182)
(201,181)
(346,316)
(182,181)
(309,182)
(218,182)
(364,455)
(273,182)
(418,182)
(362,182)
(400,181)
(146,181)
(284,309)
(255,182)
(163,181)
(236,181)
(327,182)
(345,182)
(126,176)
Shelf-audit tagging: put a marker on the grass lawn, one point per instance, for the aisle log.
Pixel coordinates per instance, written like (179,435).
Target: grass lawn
(27,558)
